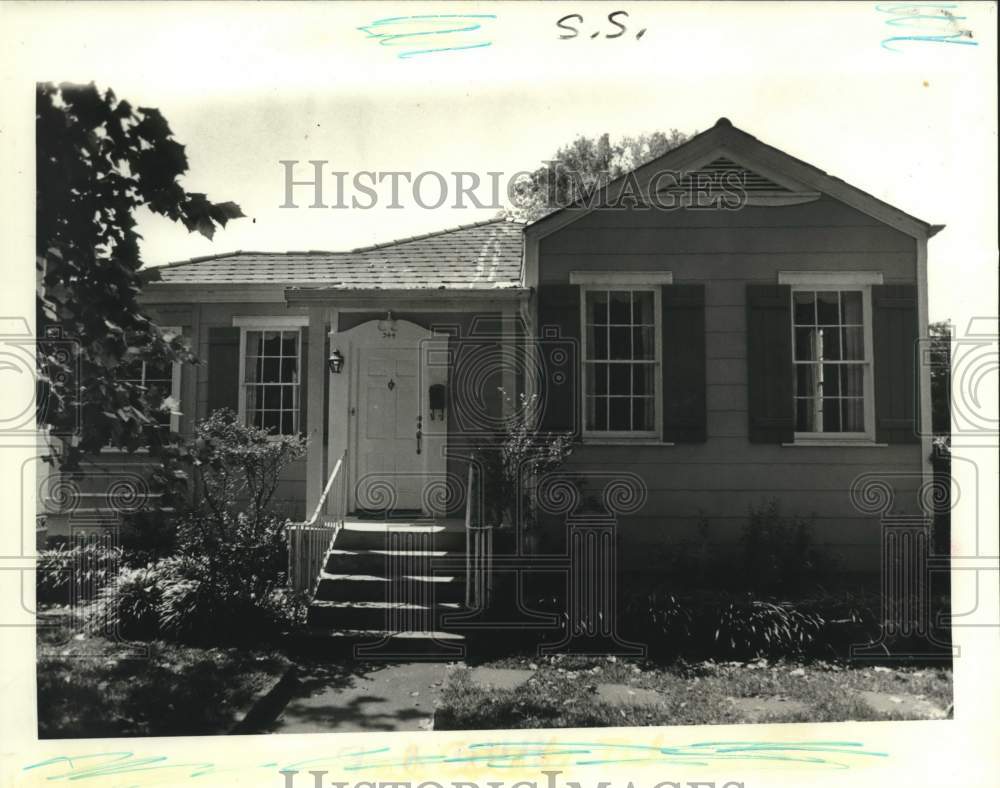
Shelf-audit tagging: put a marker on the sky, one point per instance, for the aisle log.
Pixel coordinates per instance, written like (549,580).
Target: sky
(247,86)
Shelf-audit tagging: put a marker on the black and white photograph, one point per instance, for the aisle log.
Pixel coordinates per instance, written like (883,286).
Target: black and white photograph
(442,376)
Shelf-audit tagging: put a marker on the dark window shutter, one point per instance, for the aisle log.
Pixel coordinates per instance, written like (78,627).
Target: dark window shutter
(223,368)
(560,348)
(769,364)
(894,337)
(683,363)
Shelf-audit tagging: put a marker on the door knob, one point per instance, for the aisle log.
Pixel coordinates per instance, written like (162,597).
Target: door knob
(420,434)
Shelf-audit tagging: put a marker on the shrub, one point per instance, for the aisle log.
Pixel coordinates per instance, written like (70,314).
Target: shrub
(130,605)
(778,553)
(174,598)
(76,570)
(716,625)
(513,458)
(660,619)
(224,581)
(195,608)
(238,555)
(148,535)
(758,628)
(237,468)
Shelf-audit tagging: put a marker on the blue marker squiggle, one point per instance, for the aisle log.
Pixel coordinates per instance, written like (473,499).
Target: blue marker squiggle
(490,754)
(949,33)
(430,33)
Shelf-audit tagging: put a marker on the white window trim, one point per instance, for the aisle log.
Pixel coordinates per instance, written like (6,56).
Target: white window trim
(833,280)
(264,323)
(287,322)
(624,282)
(813,280)
(621,279)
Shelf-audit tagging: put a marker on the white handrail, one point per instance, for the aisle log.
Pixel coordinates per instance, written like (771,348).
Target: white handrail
(326,490)
(310,541)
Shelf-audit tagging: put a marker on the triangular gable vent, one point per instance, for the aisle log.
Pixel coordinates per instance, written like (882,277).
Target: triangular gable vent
(752,181)
(723,176)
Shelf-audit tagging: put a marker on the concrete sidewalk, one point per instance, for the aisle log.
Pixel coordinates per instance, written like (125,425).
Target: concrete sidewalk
(332,698)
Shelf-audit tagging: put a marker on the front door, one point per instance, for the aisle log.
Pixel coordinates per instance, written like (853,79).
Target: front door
(390,464)
(381,421)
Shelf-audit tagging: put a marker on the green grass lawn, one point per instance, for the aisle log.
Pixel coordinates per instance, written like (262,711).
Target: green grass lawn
(87,687)
(563,693)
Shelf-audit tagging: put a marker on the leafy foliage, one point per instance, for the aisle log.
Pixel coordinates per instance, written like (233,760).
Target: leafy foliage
(98,160)
(130,606)
(586,164)
(513,458)
(76,571)
(747,626)
(778,553)
(756,628)
(231,530)
(226,578)
(236,468)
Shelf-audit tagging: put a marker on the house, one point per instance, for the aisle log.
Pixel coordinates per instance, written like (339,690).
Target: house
(723,353)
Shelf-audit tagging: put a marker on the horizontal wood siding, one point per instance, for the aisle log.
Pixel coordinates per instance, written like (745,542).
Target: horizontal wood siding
(725,476)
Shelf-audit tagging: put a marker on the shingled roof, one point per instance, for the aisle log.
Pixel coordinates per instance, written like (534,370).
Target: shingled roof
(486,255)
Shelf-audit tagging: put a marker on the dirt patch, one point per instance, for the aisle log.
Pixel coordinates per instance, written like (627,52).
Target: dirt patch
(770,709)
(909,706)
(499,678)
(624,695)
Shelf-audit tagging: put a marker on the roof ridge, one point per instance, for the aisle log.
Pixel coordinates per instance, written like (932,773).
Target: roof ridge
(421,236)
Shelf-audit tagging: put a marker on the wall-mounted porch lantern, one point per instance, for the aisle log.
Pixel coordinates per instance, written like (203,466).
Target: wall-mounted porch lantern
(335,362)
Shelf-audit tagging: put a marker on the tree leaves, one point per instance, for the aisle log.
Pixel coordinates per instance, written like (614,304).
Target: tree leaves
(98,160)
(583,166)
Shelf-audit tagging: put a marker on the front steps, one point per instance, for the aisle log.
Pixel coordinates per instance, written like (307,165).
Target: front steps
(386,586)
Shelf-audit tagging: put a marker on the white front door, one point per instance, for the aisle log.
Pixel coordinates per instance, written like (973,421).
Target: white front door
(380,417)
(390,465)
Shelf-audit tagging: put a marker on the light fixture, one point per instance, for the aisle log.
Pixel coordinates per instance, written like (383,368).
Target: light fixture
(335,362)
(387,327)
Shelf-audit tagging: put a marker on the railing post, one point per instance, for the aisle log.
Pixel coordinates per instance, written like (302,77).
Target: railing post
(468,539)
(308,541)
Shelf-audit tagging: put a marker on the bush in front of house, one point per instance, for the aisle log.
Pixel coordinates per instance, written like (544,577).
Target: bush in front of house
(130,606)
(513,459)
(760,628)
(75,571)
(778,554)
(226,577)
(717,625)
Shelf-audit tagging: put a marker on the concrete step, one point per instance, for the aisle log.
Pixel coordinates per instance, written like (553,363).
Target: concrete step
(388,616)
(418,536)
(420,589)
(391,562)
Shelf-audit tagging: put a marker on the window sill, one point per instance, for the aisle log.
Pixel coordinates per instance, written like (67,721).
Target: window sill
(853,443)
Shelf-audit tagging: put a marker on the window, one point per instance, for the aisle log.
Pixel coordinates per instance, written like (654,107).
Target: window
(153,377)
(164,378)
(270,361)
(621,361)
(832,362)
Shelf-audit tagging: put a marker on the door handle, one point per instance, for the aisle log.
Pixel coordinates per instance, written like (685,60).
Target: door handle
(420,434)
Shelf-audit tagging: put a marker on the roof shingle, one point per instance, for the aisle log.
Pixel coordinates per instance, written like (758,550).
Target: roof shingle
(486,255)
